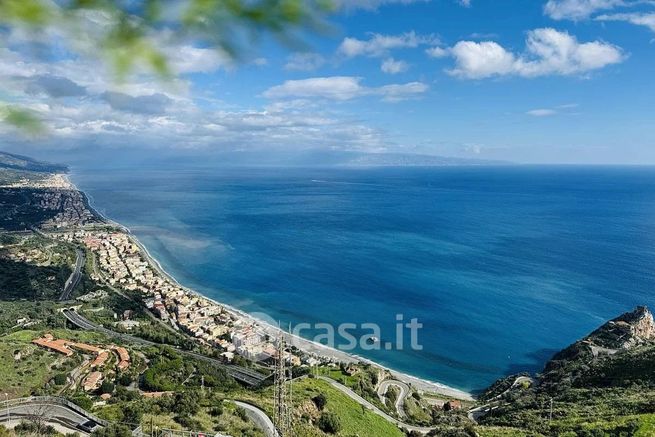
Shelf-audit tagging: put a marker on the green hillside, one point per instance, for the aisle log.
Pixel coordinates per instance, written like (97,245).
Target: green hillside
(19,162)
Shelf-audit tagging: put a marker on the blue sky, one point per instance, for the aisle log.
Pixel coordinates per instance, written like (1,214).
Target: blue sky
(535,81)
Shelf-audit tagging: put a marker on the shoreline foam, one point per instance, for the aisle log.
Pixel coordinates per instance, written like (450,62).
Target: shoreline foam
(304,344)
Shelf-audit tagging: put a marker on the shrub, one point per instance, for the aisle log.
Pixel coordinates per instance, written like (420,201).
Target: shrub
(61,378)
(329,423)
(241,413)
(320,401)
(107,387)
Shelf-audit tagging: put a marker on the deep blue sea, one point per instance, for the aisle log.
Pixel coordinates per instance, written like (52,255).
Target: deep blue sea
(502,265)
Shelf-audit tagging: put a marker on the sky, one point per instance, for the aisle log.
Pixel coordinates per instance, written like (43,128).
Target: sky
(528,81)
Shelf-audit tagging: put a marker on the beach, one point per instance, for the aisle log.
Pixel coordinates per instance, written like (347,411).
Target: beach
(307,346)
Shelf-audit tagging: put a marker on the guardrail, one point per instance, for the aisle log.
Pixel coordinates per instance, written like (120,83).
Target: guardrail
(56,400)
(137,432)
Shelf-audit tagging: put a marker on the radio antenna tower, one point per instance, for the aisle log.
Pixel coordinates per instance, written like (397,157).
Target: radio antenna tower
(282,398)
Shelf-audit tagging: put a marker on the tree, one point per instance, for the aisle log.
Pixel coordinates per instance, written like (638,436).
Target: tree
(83,402)
(132,412)
(61,378)
(113,430)
(106,387)
(320,401)
(140,33)
(329,423)
(38,419)
(187,403)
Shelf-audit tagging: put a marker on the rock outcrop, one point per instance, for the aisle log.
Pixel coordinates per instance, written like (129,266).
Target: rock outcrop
(626,331)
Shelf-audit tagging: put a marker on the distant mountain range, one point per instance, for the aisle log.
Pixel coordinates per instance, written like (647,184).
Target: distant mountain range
(412,160)
(321,158)
(19,162)
(172,158)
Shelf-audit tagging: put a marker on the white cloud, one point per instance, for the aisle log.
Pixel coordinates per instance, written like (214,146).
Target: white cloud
(372,5)
(189,59)
(548,52)
(541,112)
(479,60)
(54,86)
(148,104)
(639,19)
(399,92)
(392,66)
(437,52)
(343,88)
(578,9)
(379,45)
(304,62)
(335,88)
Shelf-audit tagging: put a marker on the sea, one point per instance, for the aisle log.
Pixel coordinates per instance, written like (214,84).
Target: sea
(501,266)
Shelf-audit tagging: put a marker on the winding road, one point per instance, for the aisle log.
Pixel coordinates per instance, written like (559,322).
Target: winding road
(261,420)
(360,400)
(481,411)
(400,400)
(53,410)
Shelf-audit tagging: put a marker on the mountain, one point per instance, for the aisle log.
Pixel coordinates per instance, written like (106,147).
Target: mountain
(19,162)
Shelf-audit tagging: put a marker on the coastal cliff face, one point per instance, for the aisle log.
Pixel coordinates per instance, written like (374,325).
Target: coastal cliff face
(620,353)
(626,331)
(603,383)
(642,325)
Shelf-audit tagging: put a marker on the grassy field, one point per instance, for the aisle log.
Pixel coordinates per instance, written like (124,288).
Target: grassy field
(646,425)
(24,367)
(354,420)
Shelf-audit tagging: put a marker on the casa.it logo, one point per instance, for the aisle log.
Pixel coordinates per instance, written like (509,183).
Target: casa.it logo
(348,337)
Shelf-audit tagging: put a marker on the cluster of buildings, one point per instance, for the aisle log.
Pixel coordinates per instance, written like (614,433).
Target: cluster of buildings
(70,207)
(56,181)
(29,256)
(100,357)
(123,264)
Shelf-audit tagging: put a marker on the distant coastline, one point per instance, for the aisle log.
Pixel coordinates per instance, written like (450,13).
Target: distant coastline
(301,343)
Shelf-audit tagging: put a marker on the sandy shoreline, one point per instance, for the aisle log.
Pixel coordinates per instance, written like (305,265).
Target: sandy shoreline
(303,344)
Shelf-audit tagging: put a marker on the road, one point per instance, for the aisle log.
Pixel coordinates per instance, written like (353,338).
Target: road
(75,276)
(400,400)
(241,374)
(260,418)
(52,410)
(360,400)
(481,411)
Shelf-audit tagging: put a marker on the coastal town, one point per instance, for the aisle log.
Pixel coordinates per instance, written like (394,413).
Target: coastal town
(122,264)
(54,203)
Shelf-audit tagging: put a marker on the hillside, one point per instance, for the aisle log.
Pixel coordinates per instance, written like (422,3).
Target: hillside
(19,162)
(601,385)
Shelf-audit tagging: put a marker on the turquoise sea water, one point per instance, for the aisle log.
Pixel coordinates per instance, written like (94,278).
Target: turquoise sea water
(502,265)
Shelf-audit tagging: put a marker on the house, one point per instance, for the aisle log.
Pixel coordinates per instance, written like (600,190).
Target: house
(93,381)
(87,348)
(123,357)
(100,360)
(48,342)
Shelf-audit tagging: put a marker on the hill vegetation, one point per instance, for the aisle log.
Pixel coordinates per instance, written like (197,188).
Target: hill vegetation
(602,385)
(19,162)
